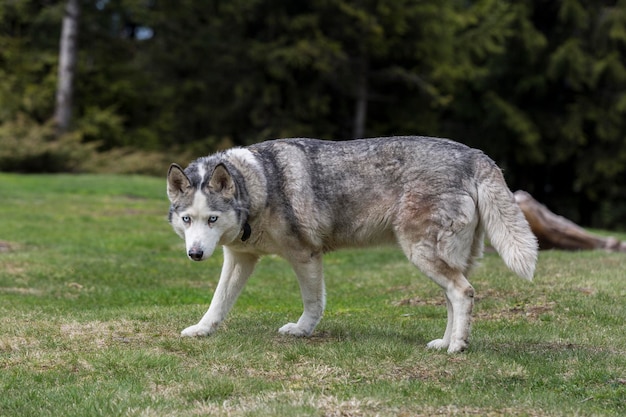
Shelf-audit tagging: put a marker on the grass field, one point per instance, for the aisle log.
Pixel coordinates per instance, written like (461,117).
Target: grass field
(95,288)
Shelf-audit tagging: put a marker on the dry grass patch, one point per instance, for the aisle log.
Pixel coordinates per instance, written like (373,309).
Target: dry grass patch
(8,246)
(540,309)
(21,291)
(15,344)
(300,402)
(98,334)
(303,403)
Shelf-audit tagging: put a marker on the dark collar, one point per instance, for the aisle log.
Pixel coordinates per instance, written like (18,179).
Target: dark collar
(247,231)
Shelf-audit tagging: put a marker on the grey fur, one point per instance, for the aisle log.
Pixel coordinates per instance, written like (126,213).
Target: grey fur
(304,197)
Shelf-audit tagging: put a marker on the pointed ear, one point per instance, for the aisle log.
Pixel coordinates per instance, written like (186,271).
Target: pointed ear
(177,182)
(222,182)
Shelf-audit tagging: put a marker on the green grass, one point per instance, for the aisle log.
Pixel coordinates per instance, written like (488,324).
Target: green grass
(95,288)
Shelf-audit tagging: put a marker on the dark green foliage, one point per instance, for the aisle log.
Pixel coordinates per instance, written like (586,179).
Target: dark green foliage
(26,146)
(551,108)
(540,86)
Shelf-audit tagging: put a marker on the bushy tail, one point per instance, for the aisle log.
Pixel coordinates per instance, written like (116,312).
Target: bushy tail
(505,224)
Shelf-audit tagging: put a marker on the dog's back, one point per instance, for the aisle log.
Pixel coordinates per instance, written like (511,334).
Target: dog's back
(355,193)
(362,192)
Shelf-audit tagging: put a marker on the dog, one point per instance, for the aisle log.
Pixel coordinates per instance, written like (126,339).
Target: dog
(300,198)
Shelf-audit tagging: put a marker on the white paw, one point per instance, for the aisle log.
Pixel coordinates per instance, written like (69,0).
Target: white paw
(197,330)
(294,330)
(457,346)
(437,344)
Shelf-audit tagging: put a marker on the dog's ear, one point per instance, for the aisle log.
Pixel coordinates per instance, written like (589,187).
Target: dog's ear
(177,182)
(222,182)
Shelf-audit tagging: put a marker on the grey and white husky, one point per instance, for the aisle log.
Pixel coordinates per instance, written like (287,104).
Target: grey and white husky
(301,198)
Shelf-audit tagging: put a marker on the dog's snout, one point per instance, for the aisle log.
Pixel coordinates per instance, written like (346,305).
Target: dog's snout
(196,254)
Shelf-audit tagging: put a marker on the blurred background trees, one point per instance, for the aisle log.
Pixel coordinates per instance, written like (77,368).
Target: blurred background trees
(538,85)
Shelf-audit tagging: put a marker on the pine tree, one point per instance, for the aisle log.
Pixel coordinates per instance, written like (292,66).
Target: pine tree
(550,106)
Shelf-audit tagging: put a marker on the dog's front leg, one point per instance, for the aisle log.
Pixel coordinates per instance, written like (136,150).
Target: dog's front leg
(235,273)
(311,279)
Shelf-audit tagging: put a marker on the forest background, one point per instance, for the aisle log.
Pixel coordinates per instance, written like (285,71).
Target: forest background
(539,85)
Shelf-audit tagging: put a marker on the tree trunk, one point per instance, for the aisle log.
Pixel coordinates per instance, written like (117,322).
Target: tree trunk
(557,232)
(68,49)
(360,110)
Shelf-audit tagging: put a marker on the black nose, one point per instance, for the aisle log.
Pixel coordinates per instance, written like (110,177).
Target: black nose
(196,254)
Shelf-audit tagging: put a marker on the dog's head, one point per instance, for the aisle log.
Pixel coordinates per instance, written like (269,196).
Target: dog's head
(203,209)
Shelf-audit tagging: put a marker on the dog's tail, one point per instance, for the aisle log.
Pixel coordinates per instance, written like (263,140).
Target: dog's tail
(504,222)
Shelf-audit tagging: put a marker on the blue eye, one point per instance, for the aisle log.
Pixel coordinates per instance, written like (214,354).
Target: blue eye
(212,219)
(186,219)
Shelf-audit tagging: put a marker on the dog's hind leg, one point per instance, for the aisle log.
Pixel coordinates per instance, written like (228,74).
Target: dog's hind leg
(236,270)
(459,300)
(459,313)
(459,297)
(311,279)
(442,244)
